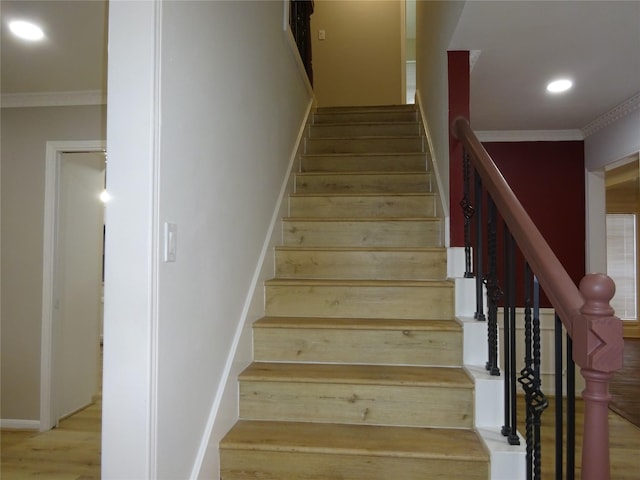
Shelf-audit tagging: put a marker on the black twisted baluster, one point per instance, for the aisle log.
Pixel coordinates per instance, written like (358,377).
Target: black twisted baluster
(538,400)
(479,256)
(526,374)
(467,210)
(493,291)
(510,407)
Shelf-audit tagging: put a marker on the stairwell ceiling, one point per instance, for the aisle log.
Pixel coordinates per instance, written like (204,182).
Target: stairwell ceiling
(522,45)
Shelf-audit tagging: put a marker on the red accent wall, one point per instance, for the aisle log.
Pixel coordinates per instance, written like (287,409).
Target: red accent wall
(548,179)
(459,87)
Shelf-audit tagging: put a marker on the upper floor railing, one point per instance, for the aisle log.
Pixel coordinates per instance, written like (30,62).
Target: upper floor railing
(594,334)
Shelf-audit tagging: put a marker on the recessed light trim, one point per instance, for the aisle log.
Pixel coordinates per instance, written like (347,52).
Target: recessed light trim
(559,86)
(26,30)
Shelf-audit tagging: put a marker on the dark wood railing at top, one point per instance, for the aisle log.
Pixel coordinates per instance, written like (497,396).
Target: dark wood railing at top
(585,311)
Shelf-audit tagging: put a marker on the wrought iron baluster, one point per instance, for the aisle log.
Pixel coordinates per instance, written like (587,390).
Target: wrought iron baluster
(558,396)
(493,290)
(571,411)
(510,420)
(467,211)
(526,374)
(538,400)
(479,256)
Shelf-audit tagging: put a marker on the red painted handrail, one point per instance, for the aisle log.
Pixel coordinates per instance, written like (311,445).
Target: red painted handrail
(585,312)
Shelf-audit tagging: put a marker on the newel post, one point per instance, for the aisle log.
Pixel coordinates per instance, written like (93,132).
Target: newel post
(598,350)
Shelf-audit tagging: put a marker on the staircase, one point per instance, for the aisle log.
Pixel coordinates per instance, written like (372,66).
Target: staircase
(357,369)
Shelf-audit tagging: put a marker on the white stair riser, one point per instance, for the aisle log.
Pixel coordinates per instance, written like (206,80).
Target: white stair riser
(361,264)
(364,183)
(387,347)
(379,233)
(354,205)
(405,302)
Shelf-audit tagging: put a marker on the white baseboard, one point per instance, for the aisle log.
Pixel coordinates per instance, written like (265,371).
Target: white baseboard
(16,424)
(224,411)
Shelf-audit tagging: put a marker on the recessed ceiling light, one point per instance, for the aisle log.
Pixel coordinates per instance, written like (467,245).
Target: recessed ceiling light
(26,30)
(558,86)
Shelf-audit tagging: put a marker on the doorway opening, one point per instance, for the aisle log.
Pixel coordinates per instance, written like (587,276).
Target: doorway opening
(622,195)
(75,175)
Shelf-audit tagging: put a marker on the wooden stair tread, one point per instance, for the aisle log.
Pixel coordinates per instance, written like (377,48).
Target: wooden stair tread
(450,377)
(361,219)
(319,282)
(361,173)
(357,324)
(303,248)
(363,194)
(368,108)
(403,442)
(365,122)
(365,154)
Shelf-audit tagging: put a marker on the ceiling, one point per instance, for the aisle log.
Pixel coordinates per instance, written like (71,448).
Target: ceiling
(518,47)
(71,58)
(525,44)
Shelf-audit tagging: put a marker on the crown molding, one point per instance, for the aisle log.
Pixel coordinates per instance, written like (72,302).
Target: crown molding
(612,116)
(54,99)
(529,135)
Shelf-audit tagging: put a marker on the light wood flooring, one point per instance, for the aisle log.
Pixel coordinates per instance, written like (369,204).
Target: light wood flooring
(625,385)
(72,451)
(624,442)
(69,452)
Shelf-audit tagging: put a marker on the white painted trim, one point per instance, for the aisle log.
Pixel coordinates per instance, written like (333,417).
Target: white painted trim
(473,58)
(16,424)
(54,150)
(444,204)
(266,257)
(612,116)
(634,157)
(595,222)
(529,135)
(508,462)
(54,99)
(154,273)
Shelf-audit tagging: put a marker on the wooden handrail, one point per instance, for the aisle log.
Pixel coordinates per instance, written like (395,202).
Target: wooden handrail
(556,282)
(585,312)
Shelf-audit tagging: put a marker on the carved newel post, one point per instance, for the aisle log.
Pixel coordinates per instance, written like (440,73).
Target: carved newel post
(598,350)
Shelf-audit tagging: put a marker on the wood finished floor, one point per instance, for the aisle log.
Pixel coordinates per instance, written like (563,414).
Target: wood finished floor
(625,388)
(69,452)
(72,451)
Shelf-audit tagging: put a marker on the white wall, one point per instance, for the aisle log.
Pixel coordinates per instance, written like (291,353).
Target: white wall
(436,22)
(614,142)
(205,108)
(25,132)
